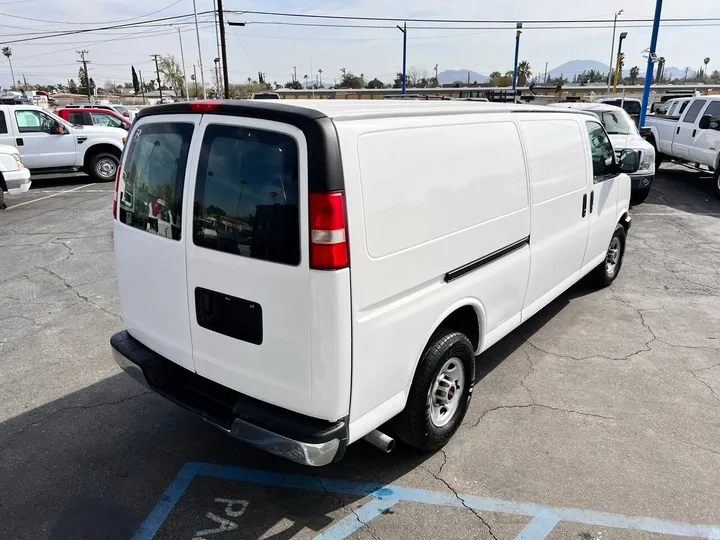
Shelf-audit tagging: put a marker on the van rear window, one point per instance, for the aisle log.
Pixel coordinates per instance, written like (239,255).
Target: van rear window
(150,192)
(246,194)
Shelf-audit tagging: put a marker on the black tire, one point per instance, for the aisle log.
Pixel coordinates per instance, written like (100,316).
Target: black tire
(658,155)
(639,196)
(103,167)
(414,425)
(2,199)
(716,182)
(602,276)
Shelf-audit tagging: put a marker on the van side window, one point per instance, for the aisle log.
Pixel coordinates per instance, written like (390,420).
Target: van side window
(150,191)
(247,194)
(603,155)
(683,106)
(3,123)
(694,111)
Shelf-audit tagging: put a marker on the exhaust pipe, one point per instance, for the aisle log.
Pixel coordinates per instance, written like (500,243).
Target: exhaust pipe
(382,441)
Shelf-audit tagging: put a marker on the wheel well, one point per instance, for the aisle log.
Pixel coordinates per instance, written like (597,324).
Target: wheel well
(465,320)
(100,149)
(3,185)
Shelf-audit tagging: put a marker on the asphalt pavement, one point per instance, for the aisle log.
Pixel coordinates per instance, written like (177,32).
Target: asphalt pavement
(597,419)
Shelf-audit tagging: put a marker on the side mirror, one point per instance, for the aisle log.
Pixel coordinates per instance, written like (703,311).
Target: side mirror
(58,129)
(705,122)
(715,123)
(629,161)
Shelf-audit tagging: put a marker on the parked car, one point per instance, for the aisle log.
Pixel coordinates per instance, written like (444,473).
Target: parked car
(122,110)
(94,117)
(382,245)
(693,139)
(47,143)
(265,95)
(14,177)
(624,134)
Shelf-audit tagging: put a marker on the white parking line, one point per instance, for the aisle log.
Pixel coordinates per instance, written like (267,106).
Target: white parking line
(49,196)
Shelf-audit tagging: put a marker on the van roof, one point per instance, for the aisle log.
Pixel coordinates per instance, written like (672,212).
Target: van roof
(342,109)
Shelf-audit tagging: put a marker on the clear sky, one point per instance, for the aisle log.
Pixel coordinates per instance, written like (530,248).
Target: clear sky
(373,52)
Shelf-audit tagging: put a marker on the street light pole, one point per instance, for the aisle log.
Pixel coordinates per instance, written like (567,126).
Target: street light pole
(217,32)
(518,31)
(436,76)
(223,50)
(197,31)
(649,70)
(403,29)
(618,67)
(612,50)
(182,57)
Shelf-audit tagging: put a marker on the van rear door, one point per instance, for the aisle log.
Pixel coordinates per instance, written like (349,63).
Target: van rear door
(148,235)
(248,278)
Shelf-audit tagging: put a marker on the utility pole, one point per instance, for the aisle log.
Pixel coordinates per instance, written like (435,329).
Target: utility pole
(157,70)
(518,31)
(294,73)
(223,49)
(612,50)
(87,75)
(182,57)
(403,29)
(623,35)
(197,31)
(24,82)
(142,85)
(218,86)
(197,94)
(686,72)
(649,70)
(546,65)
(436,76)
(217,33)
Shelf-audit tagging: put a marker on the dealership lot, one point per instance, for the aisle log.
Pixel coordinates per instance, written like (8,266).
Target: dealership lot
(605,402)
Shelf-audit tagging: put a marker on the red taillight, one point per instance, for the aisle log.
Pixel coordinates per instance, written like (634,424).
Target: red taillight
(204,105)
(328,233)
(115,197)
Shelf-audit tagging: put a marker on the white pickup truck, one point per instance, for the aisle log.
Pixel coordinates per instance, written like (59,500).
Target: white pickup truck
(49,144)
(692,139)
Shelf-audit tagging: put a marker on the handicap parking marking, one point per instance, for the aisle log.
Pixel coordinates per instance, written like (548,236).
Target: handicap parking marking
(543,518)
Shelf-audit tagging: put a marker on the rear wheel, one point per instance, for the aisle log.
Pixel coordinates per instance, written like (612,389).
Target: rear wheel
(716,182)
(103,167)
(440,393)
(607,271)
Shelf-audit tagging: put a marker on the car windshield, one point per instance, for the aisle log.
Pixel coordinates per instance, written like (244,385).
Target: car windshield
(121,108)
(617,122)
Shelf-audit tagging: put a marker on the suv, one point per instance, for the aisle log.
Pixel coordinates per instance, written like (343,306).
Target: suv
(49,144)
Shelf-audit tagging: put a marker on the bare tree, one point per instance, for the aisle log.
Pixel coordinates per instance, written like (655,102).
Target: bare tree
(415,75)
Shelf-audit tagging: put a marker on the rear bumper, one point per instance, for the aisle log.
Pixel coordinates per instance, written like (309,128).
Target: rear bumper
(296,437)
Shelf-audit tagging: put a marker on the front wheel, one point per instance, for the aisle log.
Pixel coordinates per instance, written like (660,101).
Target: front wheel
(639,196)
(716,182)
(103,167)
(607,271)
(440,393)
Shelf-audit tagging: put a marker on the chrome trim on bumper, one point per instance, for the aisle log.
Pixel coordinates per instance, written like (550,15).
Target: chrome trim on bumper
(312,454)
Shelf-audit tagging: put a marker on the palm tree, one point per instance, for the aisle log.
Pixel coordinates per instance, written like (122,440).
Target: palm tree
(7,51)
(706,62)
(524,73)
(306,80)
(634,74)
(320,77)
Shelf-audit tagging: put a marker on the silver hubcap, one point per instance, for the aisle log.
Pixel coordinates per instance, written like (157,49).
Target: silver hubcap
(613,256)
(106,168)
(446,392)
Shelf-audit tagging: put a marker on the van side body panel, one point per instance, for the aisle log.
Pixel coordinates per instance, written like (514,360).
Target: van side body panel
(418,207)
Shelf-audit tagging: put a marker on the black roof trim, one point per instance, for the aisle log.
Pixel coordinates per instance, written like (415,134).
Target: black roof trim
(324,161)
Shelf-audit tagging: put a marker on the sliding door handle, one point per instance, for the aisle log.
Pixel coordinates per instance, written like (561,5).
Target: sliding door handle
(592,201)
(584,211)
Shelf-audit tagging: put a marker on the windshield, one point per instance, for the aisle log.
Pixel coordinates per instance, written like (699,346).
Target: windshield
(617,122)
(121,108)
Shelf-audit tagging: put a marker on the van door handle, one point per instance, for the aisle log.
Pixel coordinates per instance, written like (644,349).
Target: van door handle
(694,131)
(19,142)
(592,200)
(584,213)
(677,131)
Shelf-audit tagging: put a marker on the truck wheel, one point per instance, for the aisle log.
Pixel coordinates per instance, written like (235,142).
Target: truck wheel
(103,167)
(2,199)
(716,182)
(658,155)
(639,196)
(440,392)
(607,271)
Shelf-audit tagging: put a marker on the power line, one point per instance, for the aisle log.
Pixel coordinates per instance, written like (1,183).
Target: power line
(98,22)
(456,21)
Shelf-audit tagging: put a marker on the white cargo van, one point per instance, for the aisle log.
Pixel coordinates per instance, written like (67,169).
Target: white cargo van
(335,266)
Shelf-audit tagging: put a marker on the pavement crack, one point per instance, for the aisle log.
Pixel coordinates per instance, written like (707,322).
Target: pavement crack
(457,495)
(541,406)
(345,507)
(66,246)
(29,425)
(701,447)
(708,386)
(80,296)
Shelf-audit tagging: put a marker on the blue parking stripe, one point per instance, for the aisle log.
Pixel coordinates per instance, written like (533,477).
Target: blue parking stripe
(539,527)
(167,502)
(348,525)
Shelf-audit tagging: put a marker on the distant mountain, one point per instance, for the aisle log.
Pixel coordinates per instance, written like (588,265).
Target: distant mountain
(677,73)
(449,76)
(574,67)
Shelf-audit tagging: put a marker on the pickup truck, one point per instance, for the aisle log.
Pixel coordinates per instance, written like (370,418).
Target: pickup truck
(14,177)
(49,144)
(692,139)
